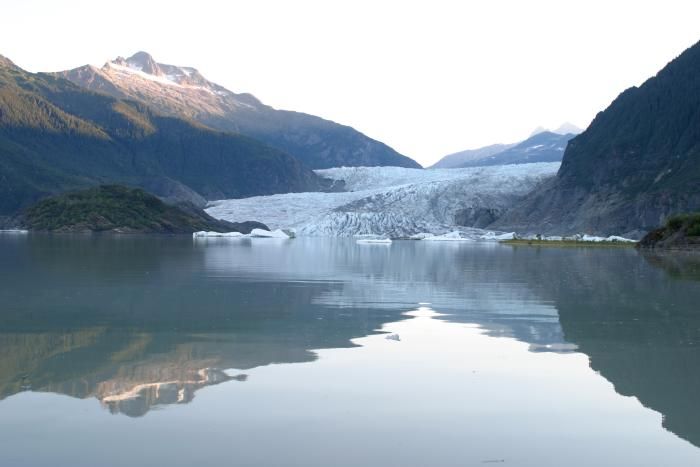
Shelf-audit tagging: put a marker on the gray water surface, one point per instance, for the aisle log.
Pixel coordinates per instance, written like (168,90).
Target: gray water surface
(141,351)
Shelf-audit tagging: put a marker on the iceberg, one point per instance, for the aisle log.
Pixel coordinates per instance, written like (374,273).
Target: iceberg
(255,233)
(217,234)
(455,236)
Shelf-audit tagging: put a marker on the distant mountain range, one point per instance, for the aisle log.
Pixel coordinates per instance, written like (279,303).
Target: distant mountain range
(542,146)
(458,159)
(637,163)
(56,136)
(184,92)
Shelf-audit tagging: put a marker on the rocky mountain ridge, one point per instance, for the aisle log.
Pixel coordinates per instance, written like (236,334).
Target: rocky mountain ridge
(184,92)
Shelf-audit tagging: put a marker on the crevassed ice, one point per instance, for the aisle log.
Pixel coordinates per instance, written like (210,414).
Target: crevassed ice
(390,201)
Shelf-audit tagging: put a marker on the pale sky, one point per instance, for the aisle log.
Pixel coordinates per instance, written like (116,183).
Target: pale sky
(427,78)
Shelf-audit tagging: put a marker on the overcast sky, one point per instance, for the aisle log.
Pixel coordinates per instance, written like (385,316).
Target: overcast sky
(427,78)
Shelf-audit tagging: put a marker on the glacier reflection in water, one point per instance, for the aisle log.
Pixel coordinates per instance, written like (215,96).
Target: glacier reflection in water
(497,349)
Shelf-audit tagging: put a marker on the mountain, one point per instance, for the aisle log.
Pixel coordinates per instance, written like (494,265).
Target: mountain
(183,91)
(115,208)
(457,159)
(537,131)
(542,147)
(563,129)
(56,136)
(568,128)
(636,164)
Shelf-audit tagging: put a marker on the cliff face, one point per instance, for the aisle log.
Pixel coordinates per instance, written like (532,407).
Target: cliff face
(636,164)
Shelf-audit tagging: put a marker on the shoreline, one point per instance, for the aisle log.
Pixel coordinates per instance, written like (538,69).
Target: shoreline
(569,243)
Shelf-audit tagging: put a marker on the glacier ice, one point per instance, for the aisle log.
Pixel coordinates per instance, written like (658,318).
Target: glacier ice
(391,201)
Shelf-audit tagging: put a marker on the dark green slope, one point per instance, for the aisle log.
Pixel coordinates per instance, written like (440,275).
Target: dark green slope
(56,136)
(115,208)
(636,164)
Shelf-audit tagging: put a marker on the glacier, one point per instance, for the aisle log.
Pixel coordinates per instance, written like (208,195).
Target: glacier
(393,201)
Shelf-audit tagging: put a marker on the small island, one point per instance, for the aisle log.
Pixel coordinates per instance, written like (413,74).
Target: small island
(681,232)
(121,209)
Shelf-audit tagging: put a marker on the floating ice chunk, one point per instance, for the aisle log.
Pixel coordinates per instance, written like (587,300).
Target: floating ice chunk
(455,236)
(260,233)
(255,233)
(13,231)
(217,234)
(393,337)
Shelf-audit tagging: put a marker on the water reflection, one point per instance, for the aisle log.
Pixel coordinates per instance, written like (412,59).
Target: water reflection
(140,323)
(637,318)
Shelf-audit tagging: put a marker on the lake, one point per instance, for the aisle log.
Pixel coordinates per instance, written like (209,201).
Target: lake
(143,351)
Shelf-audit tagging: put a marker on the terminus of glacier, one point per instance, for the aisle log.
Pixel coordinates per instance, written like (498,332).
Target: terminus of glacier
(393,201)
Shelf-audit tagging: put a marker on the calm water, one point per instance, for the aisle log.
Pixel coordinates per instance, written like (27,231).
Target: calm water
(127,351)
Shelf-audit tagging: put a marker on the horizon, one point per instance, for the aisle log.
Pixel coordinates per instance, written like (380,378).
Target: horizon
(374,82)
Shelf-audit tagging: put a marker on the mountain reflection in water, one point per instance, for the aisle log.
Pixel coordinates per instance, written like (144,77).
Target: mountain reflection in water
(146,322)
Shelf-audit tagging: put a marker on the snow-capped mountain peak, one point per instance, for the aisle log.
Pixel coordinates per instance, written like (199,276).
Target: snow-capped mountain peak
(567,128)
(563,129)
(143,61)
(183,92)
(142,64)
